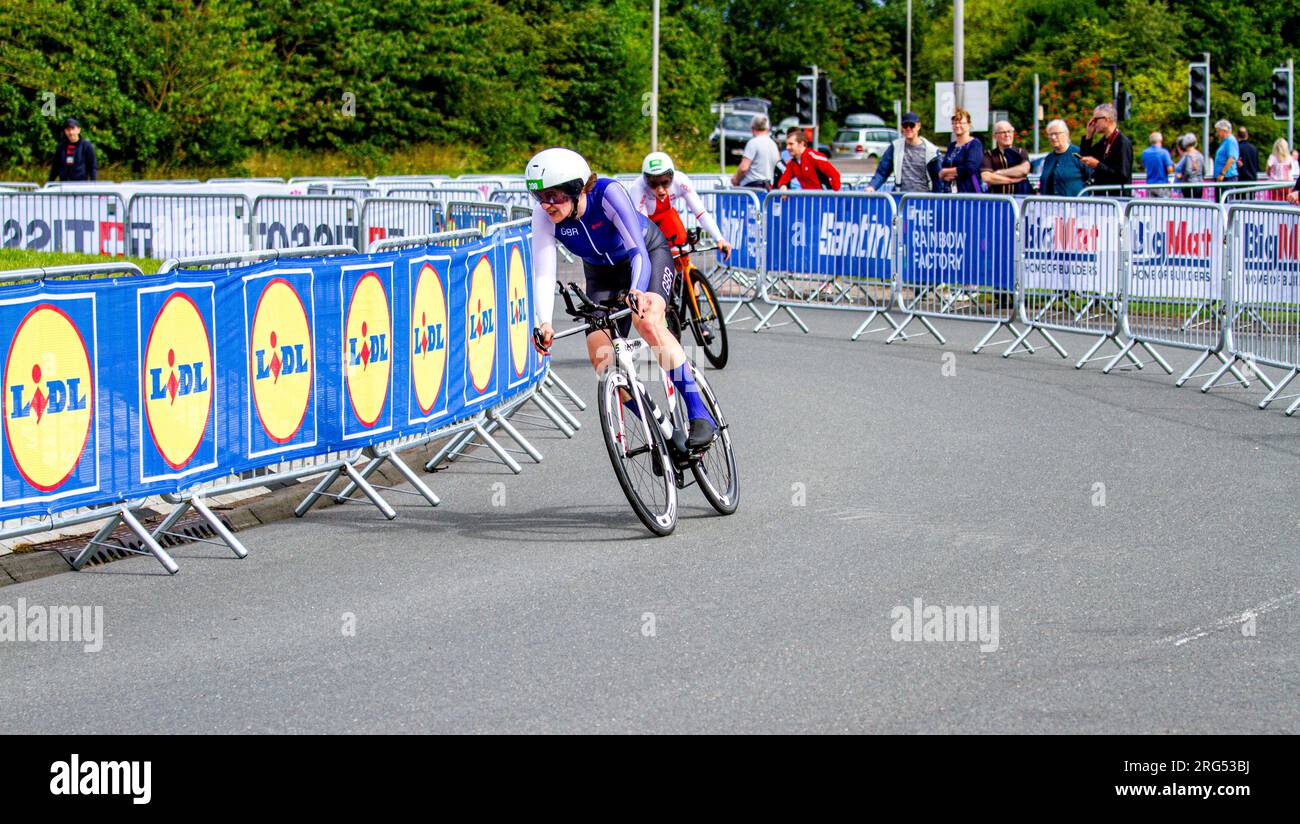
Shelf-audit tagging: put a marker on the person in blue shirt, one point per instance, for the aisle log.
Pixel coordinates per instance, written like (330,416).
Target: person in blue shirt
(1159,165)
(1063,174)
(1227,158)
(621,249)
(961,163)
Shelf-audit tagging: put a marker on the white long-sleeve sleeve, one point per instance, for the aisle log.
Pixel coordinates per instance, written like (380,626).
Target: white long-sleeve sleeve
(695,203)
(543,266)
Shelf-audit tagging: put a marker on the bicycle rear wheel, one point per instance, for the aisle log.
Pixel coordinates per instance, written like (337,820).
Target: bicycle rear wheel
(706,321)
(639,455)
(715,471)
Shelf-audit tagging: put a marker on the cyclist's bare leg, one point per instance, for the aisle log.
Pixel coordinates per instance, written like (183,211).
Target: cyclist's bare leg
(650,326)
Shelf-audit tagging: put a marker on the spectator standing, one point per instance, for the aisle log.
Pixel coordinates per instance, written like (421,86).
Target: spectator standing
(1281,167)
(74,159)
(1227,159)
(1064,174)
(1159,165)
(1005,169)
(1249,156)
(807,165)
(1107,152)
(1191,167)
(757,167)
(911,162)
(961,163)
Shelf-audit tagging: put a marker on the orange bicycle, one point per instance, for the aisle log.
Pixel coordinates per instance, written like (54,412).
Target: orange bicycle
(695,302)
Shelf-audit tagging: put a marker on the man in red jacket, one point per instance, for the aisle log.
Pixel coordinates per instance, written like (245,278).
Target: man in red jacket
(809,166)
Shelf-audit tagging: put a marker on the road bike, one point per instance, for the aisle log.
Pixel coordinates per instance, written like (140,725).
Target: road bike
(647,443)
(695,302)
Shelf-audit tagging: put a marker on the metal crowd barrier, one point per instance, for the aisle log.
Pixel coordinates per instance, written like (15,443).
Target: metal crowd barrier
(358,193)
(956,260)
(1174,281)
(461,193)
(398,217)
(18,186)
(1263,294)
(464,214)
(1070,276)
(827,250)
(1209,190)
(1272,192)
(53,221)
(113,514)
(175,225)
(246,180)
(425,190)
(736,279)
(282,221)
(512,197)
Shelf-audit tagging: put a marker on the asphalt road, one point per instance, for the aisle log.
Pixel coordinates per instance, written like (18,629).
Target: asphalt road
(870,479)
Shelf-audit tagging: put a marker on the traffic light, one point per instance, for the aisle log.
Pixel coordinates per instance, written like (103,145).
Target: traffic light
(1280,94)
(804,93)
(829,102)
(1198,90)
(1123,104)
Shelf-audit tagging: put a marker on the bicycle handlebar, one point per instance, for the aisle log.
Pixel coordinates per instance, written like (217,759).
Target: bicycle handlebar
(597,316)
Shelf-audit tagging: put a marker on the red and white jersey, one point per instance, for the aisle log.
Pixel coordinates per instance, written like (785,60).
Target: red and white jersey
(681,196)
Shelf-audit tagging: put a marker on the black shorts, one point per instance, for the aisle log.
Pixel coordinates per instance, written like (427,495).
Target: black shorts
(605,282)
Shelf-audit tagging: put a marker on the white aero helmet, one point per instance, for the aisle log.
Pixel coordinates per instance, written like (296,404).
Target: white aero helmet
(657,163)
(557,168)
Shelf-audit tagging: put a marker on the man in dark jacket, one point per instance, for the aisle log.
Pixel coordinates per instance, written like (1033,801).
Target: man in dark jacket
(1249,157)
(1107,152)
(74,159)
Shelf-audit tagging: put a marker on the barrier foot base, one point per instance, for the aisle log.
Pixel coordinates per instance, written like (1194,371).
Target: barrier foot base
(124,515)
(369,491)
(1155,356)
(863,327)
(765,321)
(552,378)
(1290,410)
(1125,351)
(506,427)
(550,413)
(1024,336)
(317,492)
(1277,390)
(1016,340)
(573,422)
(497,449)
(1191,370)
(1230,366)
(227,537)
(729,320)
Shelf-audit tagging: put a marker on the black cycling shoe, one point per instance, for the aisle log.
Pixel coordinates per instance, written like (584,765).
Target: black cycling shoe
(702,433)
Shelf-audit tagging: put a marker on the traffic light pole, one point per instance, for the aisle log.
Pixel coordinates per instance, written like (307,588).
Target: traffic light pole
(1209,107)
(1290,96)
(816,124)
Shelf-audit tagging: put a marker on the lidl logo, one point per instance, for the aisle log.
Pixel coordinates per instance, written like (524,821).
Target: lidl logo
(177,380)
(280,360)
(367,361)
(518,309)
(48,397)
(481,334)
(429,338)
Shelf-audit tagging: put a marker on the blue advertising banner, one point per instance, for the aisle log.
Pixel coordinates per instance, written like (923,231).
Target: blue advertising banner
(209,373)
(969,241)
(842,234)
(738,215)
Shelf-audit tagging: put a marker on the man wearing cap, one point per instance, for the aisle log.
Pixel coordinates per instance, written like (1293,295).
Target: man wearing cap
(919,169)
(74,159)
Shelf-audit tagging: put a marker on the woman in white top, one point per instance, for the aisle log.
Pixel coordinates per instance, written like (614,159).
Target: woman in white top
(1281,165)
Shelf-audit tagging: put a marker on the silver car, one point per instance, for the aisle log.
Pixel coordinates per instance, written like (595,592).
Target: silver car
(863,143)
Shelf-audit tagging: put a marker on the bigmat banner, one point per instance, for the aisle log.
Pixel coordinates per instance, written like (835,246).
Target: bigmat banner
(1175,249)
(123,388)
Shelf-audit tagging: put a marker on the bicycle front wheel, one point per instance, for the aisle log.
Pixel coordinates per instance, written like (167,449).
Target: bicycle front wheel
(715,471)
(706,321)
(639,454)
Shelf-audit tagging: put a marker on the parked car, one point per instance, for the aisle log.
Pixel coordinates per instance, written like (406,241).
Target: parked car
(736,125)
(862,142)
(860,119)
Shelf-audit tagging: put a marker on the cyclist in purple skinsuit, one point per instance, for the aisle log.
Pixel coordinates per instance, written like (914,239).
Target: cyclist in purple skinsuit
(620,249)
